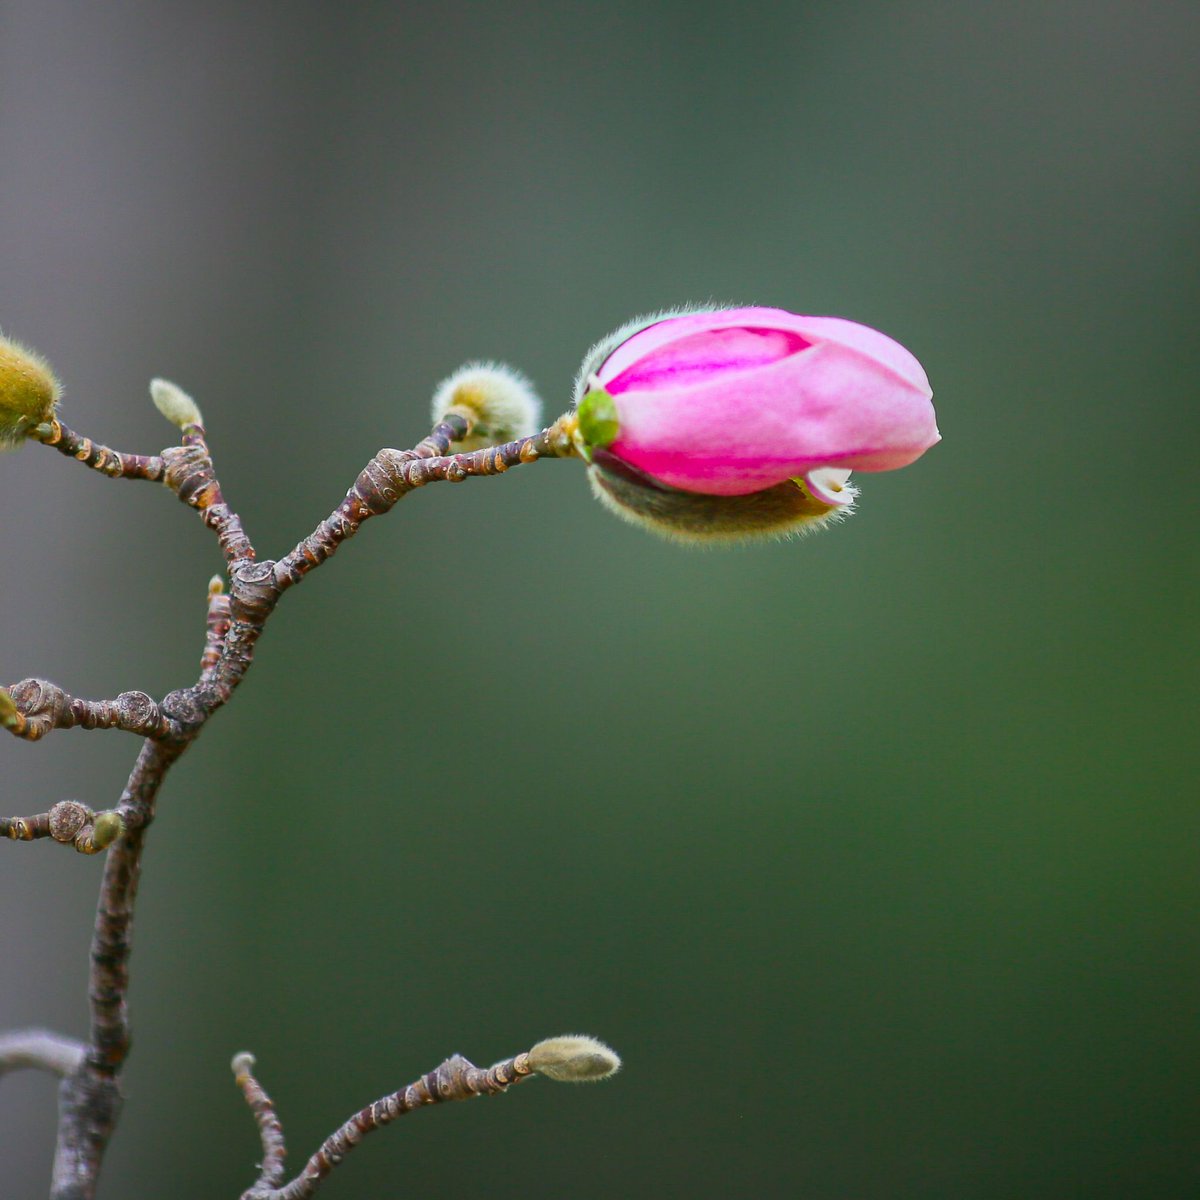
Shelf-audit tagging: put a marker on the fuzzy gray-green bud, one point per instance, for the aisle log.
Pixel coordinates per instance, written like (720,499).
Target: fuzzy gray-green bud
(498,400)
(174,403)
(574,1058)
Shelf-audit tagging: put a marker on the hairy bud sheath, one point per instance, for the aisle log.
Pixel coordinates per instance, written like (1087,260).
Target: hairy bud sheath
(730,424)
(29,391)
(698,519)
(498,401)
(574,1058)
(174,403)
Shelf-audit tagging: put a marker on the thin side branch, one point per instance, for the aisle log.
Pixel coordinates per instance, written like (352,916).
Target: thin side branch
(113,463)
(454,1079)
(270,1129)
(31,708)
(40,1050)
(392,474)
(69,823)
(187,470)
(25,829)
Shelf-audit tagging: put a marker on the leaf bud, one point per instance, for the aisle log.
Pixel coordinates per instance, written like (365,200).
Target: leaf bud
(498,401)
(174,403)
(574,1058)
(107,829)
(29,391)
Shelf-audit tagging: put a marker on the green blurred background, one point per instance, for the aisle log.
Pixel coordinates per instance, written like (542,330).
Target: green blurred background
(873,854)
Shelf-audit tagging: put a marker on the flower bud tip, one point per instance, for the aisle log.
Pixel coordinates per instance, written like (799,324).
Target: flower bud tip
(574,1058)
(174,403)
(29,391)
(498,400)
(242,1063)
(107,829)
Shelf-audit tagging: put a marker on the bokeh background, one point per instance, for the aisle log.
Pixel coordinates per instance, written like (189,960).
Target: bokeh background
(874,854)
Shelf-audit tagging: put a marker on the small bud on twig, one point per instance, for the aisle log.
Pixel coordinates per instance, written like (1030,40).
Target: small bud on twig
(28,391)
(574,1058)
(242,1063)
(174,403)
(67,818)
(497,400)
(107,829)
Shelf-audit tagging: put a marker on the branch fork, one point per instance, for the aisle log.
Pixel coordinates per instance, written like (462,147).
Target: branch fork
(236,613)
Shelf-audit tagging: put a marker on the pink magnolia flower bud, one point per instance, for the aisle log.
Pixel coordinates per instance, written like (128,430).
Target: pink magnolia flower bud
(740,401)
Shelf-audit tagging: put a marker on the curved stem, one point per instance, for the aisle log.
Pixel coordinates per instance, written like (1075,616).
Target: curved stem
(392,474)
(454,1079)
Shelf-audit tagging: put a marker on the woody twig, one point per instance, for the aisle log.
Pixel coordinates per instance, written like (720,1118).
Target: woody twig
(482,433)
(571,1059)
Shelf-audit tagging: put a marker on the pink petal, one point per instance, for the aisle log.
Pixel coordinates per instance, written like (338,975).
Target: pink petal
(736,401)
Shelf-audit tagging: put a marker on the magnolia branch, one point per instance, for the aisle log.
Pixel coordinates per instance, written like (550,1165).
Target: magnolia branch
(89,1102)
(113,463)
(32,708)
(571,1059)
(392,474)
(68,823)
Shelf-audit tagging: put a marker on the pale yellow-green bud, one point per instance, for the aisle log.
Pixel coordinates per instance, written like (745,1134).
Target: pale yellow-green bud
(107,829)
(499,402)
(174,403)
(574,1058)
(28,391)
